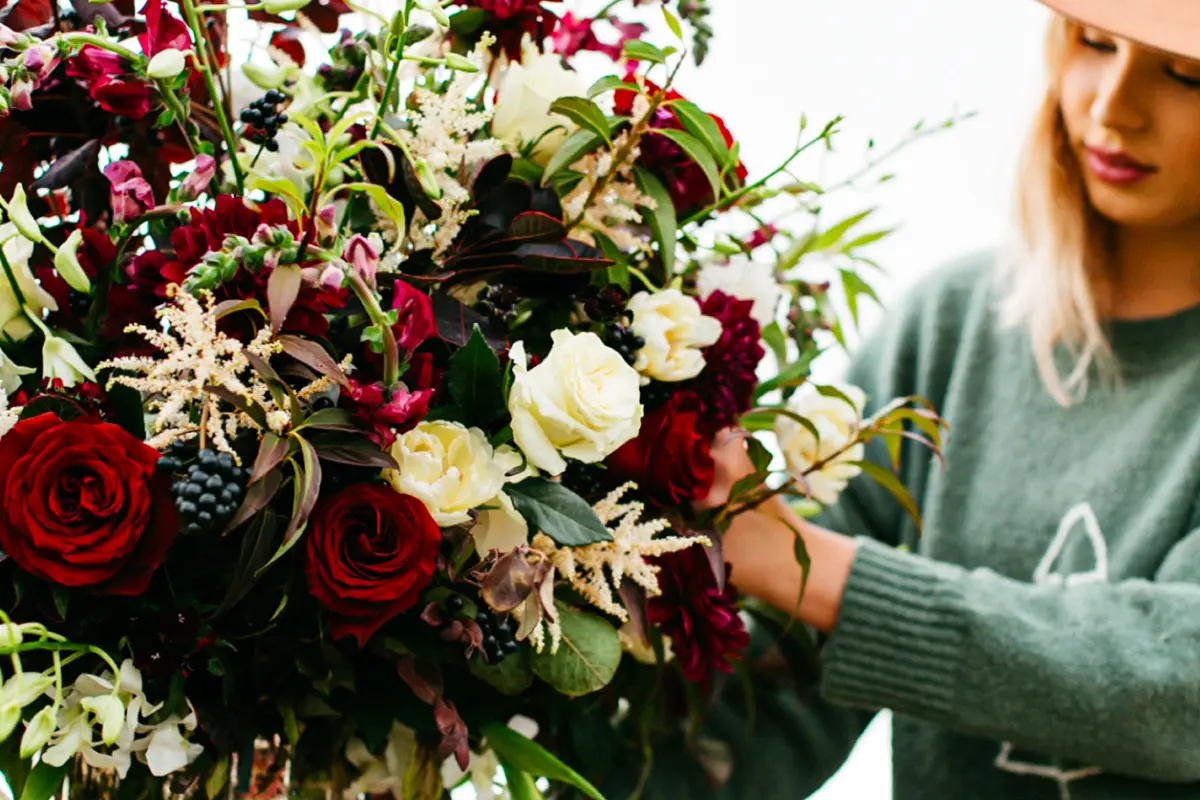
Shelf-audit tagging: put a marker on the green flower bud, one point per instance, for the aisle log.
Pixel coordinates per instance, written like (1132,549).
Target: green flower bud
(66,261)
(38,732)
(281,6)
(460,63)
(20,215)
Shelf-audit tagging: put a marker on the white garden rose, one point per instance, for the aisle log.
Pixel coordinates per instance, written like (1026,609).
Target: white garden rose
(744,280)
(451,468)
(522,115)
(837,423)
(583,401)
(17,251)
(673,331)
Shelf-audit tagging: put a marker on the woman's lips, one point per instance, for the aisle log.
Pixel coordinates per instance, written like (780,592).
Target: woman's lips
(1112,166)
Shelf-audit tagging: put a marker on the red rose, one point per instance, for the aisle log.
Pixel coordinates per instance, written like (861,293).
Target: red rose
(370,553)
(82,504)
(670,456)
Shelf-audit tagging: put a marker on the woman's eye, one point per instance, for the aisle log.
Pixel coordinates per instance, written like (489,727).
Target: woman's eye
(1192,81)
(1097,43)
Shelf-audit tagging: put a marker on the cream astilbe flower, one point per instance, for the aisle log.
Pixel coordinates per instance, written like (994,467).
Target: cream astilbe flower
(196,357)
(614,210)
(440,137)
(596,571)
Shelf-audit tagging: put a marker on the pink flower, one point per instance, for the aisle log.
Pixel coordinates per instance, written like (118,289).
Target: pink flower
(131,193)
(575,34)
(34,68)
(105,77)
(414,320)
(164,31)
(398,413)
(198,179)
(362,258)
(9,37)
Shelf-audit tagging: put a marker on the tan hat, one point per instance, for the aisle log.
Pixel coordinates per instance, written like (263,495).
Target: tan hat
(1170,25)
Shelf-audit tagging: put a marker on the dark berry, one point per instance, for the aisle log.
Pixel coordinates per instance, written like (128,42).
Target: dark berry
(191,490)
(482,616)
(168,464)
(323,402)
(187,508)
(272,145)
(656,394)
(228,497)
(624,341)
(207,502)
(204,518)
(79,303)
(181,446)
(207,458)
(589,481)
(197,475)
(225,462)
(281,118)
(454,603)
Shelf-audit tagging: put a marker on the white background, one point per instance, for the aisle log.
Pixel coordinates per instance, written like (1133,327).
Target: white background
(884,65)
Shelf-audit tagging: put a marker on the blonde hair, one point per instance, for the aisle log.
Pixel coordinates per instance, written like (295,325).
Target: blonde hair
(1056,265)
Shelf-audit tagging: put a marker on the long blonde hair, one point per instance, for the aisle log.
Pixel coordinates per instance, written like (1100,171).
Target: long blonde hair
(1057,263)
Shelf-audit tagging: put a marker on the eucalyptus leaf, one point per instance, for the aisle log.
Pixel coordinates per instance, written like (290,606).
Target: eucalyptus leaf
(587,657)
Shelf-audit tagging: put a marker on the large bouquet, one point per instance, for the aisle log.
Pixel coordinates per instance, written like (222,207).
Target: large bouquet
(353,416)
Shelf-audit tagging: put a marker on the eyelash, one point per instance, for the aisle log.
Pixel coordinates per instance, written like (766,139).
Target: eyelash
(1103,47)
(1108,47)
(1190,82)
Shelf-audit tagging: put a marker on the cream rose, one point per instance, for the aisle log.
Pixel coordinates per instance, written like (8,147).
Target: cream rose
(522,114)
(744,280)
(837,423)
(673,331)
(17,251)
(450,468)
(583,401)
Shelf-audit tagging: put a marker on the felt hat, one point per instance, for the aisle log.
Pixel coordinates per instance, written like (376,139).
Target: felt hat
(1169,25)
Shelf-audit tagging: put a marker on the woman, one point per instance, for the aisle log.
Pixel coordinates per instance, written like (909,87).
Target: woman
(1042,638)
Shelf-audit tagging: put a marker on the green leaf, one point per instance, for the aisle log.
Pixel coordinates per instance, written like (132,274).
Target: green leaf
(306,490)
(44,781)
(637,50)
(697,152)
(558,512)
(833,236)
(773,336)
(587,656)
(573,148)
(854,286)
(280,187)
(521,785)
(663,224)
(751,416)
(62,599)
(468,21)
(867,238)
(701,125)
(387,204)
(531,758)
(672,23)
(609,83)
(330,419)
(837,394)
(217,779)
(511,676)
(291,726)
(584,113)
(525,170)
(890,482)
(474,380)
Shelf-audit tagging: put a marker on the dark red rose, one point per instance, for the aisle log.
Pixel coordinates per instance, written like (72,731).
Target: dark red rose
(371,551)
(82,504)
(510,20)
(164,30)
(728,381)
(105,76)
(670,456)
(685,182)
(698,614)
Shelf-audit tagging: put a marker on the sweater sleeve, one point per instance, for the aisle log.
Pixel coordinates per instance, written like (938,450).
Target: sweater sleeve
(1102,673)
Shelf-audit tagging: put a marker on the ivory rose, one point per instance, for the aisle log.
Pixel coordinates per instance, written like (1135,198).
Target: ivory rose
(837,423)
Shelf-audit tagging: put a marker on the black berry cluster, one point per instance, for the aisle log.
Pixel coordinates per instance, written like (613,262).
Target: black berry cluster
(210,492)
(499,638)
(589,481)
(622,339)
(499,302)
(264,119)
(603,304)
(657,393)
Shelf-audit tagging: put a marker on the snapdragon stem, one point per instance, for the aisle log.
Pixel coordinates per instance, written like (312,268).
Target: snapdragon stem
(102,43)
(201,60)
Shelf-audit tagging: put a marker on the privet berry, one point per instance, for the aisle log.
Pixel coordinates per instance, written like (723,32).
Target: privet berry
(211,491)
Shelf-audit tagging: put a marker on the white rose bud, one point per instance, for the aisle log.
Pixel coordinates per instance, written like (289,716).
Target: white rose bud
(109,712)
(744,280)
(60,360)
(38,732)
(450,468)
(673,331)
(13,322)
(583,401)
(166,64)
(837,423)
(66,262)
(522,115)
(18,211)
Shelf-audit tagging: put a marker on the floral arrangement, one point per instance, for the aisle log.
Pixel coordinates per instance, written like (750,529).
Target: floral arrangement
(353,414)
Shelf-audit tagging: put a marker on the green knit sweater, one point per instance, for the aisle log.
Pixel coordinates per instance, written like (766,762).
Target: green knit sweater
(1041,640)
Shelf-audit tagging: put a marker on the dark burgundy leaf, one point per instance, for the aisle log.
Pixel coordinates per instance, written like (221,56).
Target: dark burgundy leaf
(66,169)
(534,226)
(271,453)
(424,678)
(315,356)
(454,733)
(359,453)
(509,582)
(25,14)
(257,497)
(455,322)
(402,184)
(88,12)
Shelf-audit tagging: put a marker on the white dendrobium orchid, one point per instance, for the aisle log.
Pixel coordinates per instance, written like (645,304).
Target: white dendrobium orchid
(165,750)
(483,767)
(385,772)
(10,375)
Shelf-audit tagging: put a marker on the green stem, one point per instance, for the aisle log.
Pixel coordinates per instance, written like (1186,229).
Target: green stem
(176,106)
(390,87)
(602,13)
(230,7)
(91,38)
(391,353)
(189,11)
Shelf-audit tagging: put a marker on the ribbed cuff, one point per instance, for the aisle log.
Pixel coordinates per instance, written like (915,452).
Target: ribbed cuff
(899,636)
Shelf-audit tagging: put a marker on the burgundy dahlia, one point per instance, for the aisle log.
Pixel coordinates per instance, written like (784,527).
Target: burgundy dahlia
(575,34)
(510,20)
(699,615)
(727,383)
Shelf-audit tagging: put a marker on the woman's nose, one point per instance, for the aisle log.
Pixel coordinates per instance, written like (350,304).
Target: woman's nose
(1118,101)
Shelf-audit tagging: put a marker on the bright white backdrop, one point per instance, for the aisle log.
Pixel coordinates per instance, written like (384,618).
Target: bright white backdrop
(884,64)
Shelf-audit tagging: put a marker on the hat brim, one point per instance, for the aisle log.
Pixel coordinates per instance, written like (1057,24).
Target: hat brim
(1172,26)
